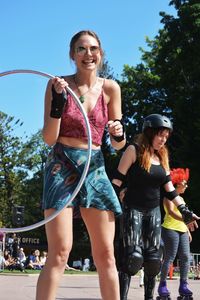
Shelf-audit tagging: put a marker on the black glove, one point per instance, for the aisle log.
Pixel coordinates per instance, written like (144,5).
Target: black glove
(57,103)
(187,215)
(118,139)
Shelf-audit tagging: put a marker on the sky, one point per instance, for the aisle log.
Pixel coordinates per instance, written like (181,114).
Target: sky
(35,35)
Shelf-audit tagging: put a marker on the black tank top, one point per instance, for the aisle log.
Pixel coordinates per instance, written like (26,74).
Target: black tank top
(144,188)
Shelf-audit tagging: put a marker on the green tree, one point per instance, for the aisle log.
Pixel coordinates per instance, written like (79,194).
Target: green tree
(178,65)
(168,81)
(36,153)
(11,172)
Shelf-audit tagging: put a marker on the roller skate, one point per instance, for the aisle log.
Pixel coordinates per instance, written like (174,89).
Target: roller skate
(184,292)
(163,292)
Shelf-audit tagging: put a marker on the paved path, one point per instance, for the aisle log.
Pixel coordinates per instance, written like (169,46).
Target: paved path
(77,287)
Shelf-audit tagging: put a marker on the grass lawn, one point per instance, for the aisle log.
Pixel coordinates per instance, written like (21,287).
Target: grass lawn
(31,272)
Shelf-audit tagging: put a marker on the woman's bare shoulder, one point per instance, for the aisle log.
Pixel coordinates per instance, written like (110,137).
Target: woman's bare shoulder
(109,84)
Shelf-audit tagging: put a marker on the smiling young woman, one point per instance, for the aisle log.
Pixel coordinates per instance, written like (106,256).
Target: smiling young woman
(65,130)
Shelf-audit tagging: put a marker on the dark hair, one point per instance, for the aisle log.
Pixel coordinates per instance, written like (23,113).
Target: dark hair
(150,133)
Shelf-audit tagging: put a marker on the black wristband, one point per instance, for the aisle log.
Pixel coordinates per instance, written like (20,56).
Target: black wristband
(187,214)
(119,139)
(57,103)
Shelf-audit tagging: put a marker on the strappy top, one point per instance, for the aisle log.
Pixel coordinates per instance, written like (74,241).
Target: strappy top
(73,123)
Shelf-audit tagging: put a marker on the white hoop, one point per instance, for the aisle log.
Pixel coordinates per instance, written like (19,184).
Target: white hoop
(75,192)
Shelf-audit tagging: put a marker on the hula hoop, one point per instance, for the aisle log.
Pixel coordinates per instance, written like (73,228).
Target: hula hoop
(80,183)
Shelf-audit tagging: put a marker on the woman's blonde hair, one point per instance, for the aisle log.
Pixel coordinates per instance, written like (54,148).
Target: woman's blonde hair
(144,142)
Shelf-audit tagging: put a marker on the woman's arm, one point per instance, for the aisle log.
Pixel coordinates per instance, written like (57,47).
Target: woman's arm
(54,104)
(115,127)
(170,209)
(187,215)
(127,159)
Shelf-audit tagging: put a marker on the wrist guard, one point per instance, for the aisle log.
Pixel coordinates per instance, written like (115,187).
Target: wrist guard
(57,103)
(186,213)
(118,139)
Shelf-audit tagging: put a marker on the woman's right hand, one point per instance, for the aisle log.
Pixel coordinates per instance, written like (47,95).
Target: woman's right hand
(59,85)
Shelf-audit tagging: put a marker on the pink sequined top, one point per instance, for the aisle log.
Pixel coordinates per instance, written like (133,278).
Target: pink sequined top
(73,123)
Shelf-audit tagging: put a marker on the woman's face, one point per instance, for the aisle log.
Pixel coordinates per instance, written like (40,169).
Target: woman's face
(181,187)
(160,139)
(87,53)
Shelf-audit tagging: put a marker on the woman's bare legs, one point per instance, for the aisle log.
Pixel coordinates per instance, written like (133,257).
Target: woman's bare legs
(59,236)
(101,229)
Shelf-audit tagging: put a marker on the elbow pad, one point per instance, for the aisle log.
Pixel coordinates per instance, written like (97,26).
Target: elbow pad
(118,175)
(171,195)
(187,214)
(167,179)
(57,103)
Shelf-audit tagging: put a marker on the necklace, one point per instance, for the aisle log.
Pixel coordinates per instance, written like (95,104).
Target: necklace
(82,98)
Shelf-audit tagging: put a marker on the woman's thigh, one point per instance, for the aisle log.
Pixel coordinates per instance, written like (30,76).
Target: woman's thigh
(59,231)
(184,247)
(101,228)
(171,242)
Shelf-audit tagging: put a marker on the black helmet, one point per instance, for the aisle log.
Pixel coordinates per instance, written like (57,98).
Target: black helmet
(156,121)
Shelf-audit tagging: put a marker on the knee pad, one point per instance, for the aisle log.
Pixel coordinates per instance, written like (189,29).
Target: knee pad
(133,263)
(152,267)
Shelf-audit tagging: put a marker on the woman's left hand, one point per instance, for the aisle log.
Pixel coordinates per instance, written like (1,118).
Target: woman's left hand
(115,128)
(192,226)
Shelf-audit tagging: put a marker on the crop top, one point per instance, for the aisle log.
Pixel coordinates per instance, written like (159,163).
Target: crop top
(144,188)
(73,123)
(172,223)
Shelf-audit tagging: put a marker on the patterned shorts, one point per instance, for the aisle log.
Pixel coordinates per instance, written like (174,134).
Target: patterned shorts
(63,170)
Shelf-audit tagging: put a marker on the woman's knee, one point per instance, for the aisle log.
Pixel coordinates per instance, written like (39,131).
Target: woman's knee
(59,256)
(105,258)
(184,258)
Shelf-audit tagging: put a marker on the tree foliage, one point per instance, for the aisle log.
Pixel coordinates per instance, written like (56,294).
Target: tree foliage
(11,171)
(168,81)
